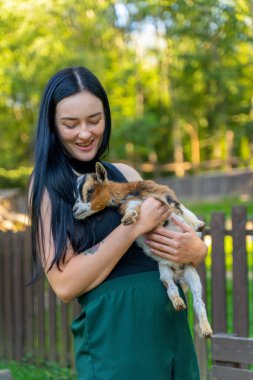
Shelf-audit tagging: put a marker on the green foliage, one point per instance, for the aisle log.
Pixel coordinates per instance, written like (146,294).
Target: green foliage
(15,178)
(176,72)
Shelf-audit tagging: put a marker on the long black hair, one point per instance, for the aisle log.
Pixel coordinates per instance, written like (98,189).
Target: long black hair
(53,171)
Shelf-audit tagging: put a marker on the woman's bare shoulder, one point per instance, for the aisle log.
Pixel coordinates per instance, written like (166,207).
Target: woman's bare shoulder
(129,172)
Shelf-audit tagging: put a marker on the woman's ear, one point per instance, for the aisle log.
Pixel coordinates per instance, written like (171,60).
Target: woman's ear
(101,173)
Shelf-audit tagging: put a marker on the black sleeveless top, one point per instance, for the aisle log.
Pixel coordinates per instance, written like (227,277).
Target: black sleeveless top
(104,222)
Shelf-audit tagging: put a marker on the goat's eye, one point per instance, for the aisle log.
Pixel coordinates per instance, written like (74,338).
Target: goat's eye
(90,191)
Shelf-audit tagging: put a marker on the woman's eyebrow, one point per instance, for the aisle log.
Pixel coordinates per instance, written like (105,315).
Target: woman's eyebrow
(96,114)
(75,118)
(68,118)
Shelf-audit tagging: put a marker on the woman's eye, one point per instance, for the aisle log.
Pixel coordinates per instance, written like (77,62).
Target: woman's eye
(70,126)
(94,122)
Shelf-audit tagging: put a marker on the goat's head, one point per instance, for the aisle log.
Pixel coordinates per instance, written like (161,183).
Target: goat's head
(189,218)
(92,193)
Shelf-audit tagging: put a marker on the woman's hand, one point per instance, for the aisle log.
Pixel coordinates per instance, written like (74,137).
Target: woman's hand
(152,213)
(180,247)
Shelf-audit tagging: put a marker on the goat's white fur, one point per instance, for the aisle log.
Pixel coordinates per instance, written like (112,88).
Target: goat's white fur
(185,274)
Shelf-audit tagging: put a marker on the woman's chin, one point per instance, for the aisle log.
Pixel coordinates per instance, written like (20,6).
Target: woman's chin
(85,156)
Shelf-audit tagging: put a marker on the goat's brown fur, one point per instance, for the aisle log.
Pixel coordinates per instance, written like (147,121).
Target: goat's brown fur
(107,192)
(98,193)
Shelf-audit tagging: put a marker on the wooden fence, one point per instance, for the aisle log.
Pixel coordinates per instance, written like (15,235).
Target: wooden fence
(181,168)
(209,186)
(35,325)
(231,357)
(226,283)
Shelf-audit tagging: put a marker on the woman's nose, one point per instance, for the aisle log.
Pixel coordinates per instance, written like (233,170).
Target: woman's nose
(84,132)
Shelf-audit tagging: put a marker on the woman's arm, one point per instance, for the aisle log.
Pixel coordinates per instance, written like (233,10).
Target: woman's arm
(81,273)
(180,247)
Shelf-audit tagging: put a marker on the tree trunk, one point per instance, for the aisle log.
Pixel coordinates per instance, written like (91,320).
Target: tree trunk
(178,150)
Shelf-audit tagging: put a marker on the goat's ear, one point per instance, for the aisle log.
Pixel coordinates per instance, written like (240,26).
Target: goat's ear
(101,173)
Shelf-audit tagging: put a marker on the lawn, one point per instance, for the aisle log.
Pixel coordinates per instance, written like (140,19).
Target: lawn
(49,371)
(205,209)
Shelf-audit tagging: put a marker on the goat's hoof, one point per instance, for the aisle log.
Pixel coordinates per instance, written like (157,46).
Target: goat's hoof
(127,221)
(130,218)
(178,303)
(206,329)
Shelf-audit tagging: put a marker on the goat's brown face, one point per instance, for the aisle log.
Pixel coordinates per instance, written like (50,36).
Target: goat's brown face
(91,193)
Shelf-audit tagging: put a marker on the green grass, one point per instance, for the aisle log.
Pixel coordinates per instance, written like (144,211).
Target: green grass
(26,371)
(205,210)
(225,205)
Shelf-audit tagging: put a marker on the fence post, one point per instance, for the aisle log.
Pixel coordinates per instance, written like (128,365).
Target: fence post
(1,299)
(219,312)
(41,333)
(52,320)
(8,294)
(65,332)
(28,296)
(240,275)
(200,342)
(18,295)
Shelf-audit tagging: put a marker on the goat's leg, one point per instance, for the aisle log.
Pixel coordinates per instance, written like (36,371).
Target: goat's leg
(166,275)
(130,210)
(192,279)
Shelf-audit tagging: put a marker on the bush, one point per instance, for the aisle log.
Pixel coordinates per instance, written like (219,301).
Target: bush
(15,178)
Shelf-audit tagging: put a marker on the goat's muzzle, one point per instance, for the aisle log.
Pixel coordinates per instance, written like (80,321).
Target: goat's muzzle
(82,210)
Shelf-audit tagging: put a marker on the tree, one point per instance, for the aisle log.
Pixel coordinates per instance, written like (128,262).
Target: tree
(178,73)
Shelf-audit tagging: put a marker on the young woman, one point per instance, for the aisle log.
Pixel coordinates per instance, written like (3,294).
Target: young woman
(128,328)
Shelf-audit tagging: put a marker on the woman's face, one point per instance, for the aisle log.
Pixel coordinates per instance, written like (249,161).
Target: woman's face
(80,124)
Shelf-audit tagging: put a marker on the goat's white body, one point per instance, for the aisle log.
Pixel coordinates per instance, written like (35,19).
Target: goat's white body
(184,274)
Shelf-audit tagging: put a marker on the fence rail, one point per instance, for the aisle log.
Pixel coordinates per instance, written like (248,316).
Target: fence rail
(214,185)
(180,168)
(34,324)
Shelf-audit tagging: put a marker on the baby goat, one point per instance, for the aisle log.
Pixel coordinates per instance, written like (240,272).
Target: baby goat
(95,192)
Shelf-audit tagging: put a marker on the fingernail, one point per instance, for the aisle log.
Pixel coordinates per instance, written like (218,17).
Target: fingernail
(146,241)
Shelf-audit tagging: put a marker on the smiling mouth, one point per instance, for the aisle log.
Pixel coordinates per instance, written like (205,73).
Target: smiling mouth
(84,145)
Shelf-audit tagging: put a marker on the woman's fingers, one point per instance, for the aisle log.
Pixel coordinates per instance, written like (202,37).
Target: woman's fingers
(161,247)
(152,214)
(154,237)
(167,256)
(184,226)
(162,231)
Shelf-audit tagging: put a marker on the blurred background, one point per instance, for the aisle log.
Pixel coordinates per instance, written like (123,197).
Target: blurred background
(178,75)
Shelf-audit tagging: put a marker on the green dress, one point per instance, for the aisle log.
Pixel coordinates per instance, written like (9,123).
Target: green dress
(128,328)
